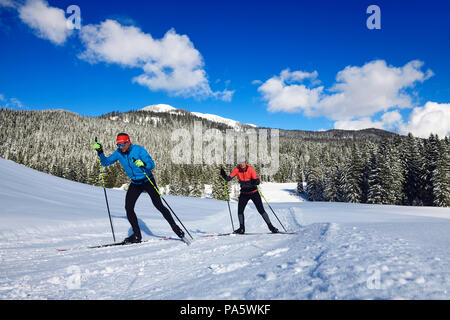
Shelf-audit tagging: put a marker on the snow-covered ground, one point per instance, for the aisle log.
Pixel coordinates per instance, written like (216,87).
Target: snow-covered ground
(280,192)
(341,251)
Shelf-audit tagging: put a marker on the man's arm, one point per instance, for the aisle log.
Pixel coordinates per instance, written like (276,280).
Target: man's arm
(107,161)
(146,158)
(231,176)
(254,179)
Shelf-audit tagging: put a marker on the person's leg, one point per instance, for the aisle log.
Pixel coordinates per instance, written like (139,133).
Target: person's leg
(133,194)
(157,202)
(242,203)
(256,198)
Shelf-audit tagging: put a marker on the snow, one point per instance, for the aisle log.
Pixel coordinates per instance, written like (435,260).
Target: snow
(212,117)
(215,118)
(280,192)
(341,251)
(159,108)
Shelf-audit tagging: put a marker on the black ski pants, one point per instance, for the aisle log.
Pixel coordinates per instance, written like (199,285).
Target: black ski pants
(133,193)
(244,198)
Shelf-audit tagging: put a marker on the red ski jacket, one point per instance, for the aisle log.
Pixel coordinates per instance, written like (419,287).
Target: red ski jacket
(248,179)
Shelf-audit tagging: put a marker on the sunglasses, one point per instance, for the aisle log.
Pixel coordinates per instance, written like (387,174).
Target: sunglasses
(121,145)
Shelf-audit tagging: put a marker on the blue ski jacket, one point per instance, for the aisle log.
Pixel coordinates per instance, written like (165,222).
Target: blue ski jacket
(126,160)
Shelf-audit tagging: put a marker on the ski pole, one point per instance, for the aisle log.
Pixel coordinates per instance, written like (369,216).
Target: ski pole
(165,201)
(228,201)
(106,197)
(271,209)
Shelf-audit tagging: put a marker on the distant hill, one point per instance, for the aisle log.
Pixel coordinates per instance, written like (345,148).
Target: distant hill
(158,112)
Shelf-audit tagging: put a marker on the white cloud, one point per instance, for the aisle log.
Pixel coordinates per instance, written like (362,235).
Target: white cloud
(288,76)
(392,119)
(389,120)
(48,22)
(358,92)
(282,96)
(367,90)
(8,4)
(171,64)
(359,124)
(431,118)
(10,103)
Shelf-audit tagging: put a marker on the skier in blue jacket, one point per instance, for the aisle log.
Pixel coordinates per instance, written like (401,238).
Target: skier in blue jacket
(134,159)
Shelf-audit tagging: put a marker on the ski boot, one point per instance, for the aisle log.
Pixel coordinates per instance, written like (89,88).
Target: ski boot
(180,234)
(132,239)
(241,230)
(273,229)
(178,231)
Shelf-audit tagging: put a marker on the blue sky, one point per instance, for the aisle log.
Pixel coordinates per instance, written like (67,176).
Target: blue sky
(308,65)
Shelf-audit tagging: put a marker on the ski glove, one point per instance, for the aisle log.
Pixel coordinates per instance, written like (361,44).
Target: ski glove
(255,182)
(98,147)
(223,174)
(139,163)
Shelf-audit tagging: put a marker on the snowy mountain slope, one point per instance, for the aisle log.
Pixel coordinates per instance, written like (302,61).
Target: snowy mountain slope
(341,251)
(212,117)
(215,118)
(160,108)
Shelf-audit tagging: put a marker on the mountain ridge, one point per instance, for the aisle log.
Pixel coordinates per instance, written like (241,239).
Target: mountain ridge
(294,133)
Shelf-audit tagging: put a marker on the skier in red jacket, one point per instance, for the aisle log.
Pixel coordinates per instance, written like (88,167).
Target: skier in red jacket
(249,180)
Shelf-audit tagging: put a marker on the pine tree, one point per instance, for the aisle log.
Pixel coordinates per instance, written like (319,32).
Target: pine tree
(300,183)
(376,191)
(331,190)
(110,175)
(431,159)
(354,178)
(397,171)
(315,181)
(218,187)
(441,177)
(413,171)
(366,154)
(315,185)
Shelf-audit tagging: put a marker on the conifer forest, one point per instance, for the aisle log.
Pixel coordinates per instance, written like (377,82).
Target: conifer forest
(367,166)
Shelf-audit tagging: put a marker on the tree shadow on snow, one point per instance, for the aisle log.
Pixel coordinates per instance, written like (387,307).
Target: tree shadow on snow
(144,228)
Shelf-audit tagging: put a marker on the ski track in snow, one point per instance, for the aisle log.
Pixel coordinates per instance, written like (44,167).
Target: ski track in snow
(340,252)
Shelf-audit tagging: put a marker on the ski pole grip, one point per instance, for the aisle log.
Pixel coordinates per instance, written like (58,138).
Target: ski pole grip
(134,160)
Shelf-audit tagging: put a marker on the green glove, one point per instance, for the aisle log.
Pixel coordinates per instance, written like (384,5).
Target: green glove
(139,163)
(98,147)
